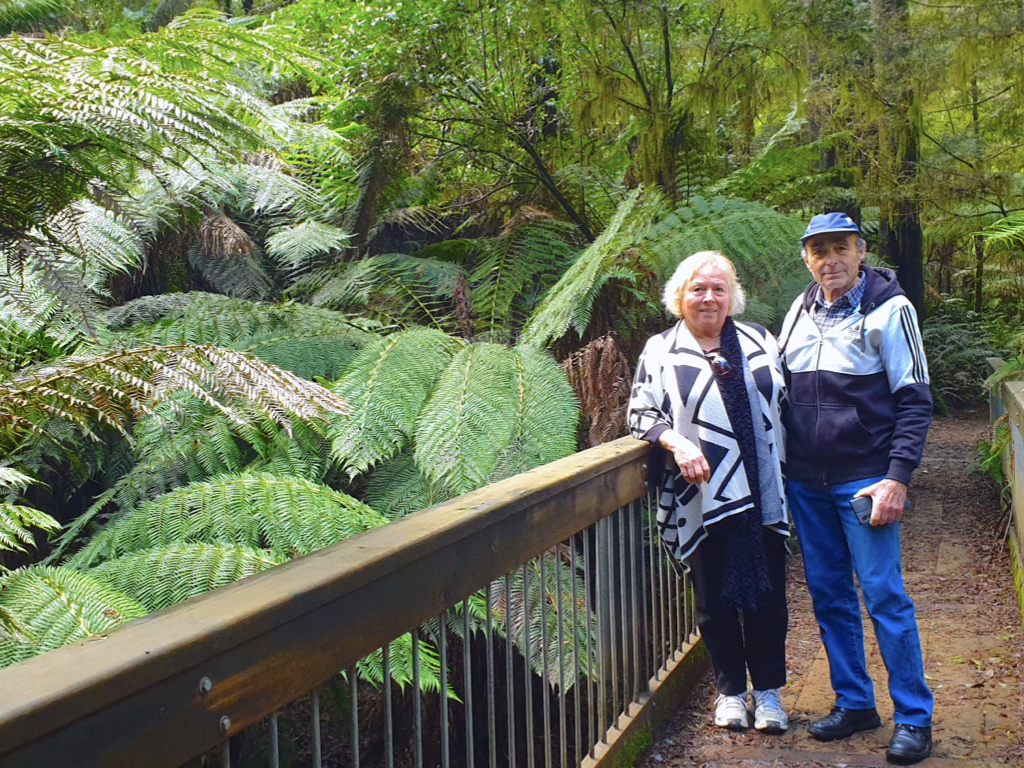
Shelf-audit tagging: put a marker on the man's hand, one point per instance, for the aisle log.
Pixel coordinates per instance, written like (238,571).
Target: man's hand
(689,459)
(888,498)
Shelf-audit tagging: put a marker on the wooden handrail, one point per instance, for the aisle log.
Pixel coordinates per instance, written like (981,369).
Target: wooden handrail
(134,698)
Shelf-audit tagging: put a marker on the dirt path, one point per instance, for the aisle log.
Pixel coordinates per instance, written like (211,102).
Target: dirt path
(958,575)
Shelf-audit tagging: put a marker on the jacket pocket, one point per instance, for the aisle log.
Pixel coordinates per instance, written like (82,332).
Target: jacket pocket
(841,435)
(822,435)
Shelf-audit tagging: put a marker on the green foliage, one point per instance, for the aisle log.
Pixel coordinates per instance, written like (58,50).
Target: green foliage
(162,576)
(290,516)
(15,521)
(545,416)
(398,487)
(298,247)
(1008,230)
(387,384)
(569,303)
(308,341)
(762,243)
(515,269)
(392,288)
(957,342)
(465,424)
(56,606)
(29,15)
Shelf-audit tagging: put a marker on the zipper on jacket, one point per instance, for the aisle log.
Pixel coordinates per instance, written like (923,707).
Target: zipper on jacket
(817,395)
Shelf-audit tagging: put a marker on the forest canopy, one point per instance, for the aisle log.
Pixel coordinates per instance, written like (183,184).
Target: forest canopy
(275,274)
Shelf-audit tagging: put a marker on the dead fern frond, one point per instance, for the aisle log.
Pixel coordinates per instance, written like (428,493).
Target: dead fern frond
(599,374)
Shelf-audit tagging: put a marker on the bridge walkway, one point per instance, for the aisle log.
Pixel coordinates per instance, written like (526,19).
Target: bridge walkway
(958,573)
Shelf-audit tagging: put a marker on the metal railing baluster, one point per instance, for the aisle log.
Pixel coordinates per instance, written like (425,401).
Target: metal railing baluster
(545,661)
(492,730)
(317,758)
(560,618)
(659,553)
(225,753)
(510,693)
(445,754)
(353,695)
(274,747)
(577,722)
(528,669)
(591,596)
(467,674)
(634,526)
(417,700)
(599,608)
(389,718)
(624,578)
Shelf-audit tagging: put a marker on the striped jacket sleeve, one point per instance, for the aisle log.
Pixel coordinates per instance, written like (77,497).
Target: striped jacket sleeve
(907,371)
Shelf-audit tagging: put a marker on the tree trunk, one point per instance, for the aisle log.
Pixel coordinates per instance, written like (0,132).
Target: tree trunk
(900,237)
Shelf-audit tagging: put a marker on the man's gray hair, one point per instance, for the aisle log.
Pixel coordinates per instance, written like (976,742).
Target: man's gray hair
(683,276)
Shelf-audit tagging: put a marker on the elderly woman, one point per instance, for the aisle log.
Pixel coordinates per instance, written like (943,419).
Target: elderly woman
(709,391)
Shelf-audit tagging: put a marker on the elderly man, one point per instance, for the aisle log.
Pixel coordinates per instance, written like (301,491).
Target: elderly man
(859,410)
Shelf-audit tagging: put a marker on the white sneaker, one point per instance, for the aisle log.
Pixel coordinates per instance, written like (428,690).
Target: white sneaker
(769,716)
(731,712)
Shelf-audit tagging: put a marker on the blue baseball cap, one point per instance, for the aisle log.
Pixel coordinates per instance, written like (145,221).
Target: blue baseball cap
(824,223)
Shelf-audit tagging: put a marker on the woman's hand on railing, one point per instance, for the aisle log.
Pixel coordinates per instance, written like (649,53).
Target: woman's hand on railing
(689,459)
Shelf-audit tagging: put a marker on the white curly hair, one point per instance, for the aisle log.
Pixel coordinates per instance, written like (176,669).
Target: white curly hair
(689,267)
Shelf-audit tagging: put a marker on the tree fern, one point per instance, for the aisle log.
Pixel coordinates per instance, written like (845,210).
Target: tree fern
(308,341)
(469,418)
(544,426)
(568,304)
(56,606)
(515,268)
(288,515)
(29,15)
(15,522)
(393,288)
(397,488)
(1008,230)
(107,391)
(297,248)
(387,385)
(762,243)
(162,576)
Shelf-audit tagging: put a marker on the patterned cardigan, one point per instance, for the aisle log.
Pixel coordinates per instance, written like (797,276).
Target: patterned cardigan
(674,388)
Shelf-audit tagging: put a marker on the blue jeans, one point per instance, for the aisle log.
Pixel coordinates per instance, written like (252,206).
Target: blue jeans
(834,546)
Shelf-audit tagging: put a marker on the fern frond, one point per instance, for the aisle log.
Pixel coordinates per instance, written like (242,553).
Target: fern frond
(383,415)
(394,288)
(568,304)
(56,606)
(397,488)
(761,242)
(516,268)
(1007,230)
(546,415)
(229,260)
(371,667)
(15,521)
(29,15)
(469,418)
(106,391)
(162,576)
(291,516)
(297,247)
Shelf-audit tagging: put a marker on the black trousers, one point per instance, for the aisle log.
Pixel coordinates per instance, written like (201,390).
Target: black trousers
(758,643)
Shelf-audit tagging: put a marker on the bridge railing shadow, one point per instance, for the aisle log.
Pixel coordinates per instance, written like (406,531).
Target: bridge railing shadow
(537,621)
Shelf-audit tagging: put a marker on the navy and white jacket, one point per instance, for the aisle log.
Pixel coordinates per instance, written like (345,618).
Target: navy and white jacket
(859,403)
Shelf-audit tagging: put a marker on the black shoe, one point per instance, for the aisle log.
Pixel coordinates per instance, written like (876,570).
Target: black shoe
(909,744)
(840,723)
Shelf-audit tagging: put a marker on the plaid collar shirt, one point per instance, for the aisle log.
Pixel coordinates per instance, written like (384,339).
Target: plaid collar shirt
(827,315)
